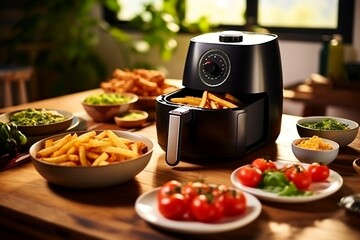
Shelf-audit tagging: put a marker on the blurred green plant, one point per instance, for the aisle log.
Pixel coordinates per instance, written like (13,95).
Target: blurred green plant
(160,26)
(67,32)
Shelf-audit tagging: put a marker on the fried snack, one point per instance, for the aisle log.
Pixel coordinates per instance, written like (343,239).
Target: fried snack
(209,100)
(221,101)
(203,99)
(90,149)
(142,82)
(188,100)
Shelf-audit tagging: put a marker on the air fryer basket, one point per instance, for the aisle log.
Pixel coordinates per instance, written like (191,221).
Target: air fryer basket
(212,133)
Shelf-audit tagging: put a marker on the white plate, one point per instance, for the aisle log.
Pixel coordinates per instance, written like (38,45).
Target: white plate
(320,189)
(147,208)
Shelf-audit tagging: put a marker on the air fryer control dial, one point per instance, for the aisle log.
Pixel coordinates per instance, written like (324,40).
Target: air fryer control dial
(214,67)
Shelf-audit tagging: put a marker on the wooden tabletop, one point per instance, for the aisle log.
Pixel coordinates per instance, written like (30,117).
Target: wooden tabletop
(30,206)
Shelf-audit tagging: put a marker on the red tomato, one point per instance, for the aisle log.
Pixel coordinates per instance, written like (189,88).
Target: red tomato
(173,206)
(263,164)
(207,208)
(169,189)
(319,172)
(249,176)
(234,203)
(299,176)
(192,189)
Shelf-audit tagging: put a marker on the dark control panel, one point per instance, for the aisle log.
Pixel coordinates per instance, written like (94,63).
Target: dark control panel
(214,67)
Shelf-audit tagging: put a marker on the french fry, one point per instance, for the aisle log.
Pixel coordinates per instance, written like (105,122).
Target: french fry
(194,101)
(121,151)
(203,99)
(66,146)
(49,150)
(221,101)
(58,159)
(104,163)
(70,164)
(103,157)
(232,99)
(90,149)
(213,105)
(48,143)
(82,156)
(92,155)
(115,139)
(72,150)
(73,157)
(101,135)
(97,143)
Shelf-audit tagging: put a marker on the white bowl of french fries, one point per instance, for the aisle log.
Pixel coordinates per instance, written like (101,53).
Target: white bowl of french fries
(91,159)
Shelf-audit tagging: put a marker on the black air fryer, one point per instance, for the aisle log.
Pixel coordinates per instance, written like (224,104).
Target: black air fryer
(244,64)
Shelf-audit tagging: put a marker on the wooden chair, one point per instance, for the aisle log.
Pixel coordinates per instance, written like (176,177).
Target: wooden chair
(11,76)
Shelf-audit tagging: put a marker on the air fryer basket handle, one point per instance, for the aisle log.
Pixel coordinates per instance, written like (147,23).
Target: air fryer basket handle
(177,118)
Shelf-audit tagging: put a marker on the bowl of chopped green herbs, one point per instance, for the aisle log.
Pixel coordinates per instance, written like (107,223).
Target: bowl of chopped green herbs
(103,107)
(341,130)
(39,121)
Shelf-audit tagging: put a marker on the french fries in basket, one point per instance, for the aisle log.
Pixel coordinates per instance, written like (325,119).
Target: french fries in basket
(90,149)
(209,100)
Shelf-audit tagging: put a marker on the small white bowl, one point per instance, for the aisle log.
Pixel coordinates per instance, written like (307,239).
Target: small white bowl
(342,137)
(131,118)
(310,156)
(87,177)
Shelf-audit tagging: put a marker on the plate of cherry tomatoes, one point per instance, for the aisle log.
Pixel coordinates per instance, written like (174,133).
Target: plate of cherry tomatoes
(289,182)
(197,208)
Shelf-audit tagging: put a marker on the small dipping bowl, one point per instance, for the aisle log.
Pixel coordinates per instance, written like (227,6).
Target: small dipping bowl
(309,155)
(131,118)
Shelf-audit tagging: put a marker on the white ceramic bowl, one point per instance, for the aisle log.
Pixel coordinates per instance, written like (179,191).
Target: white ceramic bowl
(310,156)
(342,137)
(92,176)
(107,112)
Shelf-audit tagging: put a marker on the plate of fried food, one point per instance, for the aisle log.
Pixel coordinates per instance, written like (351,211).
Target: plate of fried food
(146,84)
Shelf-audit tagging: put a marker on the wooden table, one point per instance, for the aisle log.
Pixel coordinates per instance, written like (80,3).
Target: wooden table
(317,97)
(29,205)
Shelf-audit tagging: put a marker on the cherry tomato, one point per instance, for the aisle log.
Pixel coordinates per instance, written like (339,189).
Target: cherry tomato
(207,208)
(299,176)
(249,176)
(319,172)
(173,206)
(192,189)
(263,164)
(169,188)
(234,203)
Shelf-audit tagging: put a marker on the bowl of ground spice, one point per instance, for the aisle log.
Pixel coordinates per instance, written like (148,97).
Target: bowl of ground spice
(315,149)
